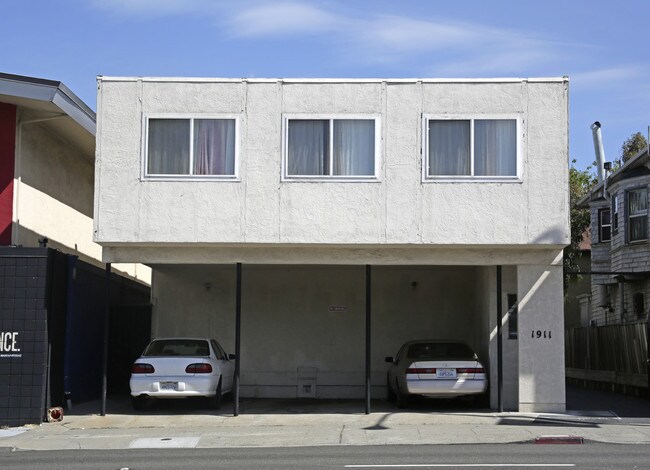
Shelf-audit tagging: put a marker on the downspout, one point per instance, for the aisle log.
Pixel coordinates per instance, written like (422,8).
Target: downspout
(621,287)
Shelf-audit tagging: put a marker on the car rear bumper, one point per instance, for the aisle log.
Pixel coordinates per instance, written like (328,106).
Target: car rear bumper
(446,388)
(185,387)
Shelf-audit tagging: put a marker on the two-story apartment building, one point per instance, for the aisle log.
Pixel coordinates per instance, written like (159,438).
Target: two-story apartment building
(362,213)
(620,259)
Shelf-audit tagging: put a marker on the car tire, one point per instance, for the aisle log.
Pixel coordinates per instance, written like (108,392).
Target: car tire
(215,401)
(402,398)
(390,395)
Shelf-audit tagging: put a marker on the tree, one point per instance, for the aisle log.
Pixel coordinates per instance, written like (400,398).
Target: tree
(632,145)
(580,183)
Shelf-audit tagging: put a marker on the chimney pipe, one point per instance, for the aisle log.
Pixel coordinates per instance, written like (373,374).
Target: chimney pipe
(600,151)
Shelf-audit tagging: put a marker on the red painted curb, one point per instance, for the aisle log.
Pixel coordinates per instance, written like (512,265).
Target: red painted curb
(559,440)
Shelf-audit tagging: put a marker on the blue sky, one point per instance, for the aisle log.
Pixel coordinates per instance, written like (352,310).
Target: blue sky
(602,46)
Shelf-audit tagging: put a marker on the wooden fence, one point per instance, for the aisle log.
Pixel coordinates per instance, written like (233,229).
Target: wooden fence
(615,353)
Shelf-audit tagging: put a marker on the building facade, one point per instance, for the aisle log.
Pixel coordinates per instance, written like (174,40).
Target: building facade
(453,194)
(620,258)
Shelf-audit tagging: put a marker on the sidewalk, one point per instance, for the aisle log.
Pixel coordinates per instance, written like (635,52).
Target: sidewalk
(281,423)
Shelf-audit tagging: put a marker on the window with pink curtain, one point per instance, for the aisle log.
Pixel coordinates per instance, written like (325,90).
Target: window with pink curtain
(193,147)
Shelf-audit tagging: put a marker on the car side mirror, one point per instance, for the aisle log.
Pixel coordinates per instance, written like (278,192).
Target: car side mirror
(389,359)
(232,357)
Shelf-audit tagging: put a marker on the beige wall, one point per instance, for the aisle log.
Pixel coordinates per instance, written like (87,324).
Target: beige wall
(53,197)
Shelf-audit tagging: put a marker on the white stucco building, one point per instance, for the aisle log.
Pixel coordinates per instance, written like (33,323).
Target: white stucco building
(432,186)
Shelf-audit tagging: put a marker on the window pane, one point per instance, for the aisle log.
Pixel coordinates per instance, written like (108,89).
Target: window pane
(214,146)
(449,148)
(605,217)
(308,147)
(606,234)
(638,228)
(638,201)
(605,225)
(637,205)
(354,147)
(495,147)
(168,147)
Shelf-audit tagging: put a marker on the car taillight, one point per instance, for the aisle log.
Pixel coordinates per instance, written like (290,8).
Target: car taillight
(199,368)
(421,370)
(470,370)
(140,368)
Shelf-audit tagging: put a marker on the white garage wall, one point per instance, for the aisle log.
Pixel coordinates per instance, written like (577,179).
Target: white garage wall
(287,322)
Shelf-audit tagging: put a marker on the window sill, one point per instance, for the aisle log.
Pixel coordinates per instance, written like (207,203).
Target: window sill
(472,179)
(193,178)
(330,179)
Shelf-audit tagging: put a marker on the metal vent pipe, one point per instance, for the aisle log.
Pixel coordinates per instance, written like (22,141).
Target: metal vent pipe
(600,151)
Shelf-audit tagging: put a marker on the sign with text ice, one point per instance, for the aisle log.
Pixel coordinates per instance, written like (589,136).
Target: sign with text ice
(9,346)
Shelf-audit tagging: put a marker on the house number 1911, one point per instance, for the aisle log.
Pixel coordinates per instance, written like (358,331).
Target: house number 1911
(540,334)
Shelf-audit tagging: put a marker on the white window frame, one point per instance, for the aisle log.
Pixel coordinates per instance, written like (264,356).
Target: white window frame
(331,118)
(601,225)
(426,178)
(189,177)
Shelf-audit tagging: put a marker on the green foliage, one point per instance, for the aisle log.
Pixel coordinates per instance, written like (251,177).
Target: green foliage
(580,183)
(632,145)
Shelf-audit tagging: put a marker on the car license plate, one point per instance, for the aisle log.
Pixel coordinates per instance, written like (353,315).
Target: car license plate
(446,373)
(168,385)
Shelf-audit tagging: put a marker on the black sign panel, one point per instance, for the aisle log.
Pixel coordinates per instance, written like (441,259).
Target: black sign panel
(23,339)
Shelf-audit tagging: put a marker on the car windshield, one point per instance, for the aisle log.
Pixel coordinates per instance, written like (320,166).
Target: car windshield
(177,347)
(439,351)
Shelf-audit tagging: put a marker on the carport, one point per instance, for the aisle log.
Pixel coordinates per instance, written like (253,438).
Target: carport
(322,331)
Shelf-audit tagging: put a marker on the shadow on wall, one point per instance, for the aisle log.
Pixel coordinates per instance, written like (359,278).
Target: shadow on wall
(555,236)
(56,167)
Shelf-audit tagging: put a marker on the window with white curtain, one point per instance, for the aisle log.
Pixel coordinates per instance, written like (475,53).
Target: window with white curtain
(471,148)
(330,148)
(197,147)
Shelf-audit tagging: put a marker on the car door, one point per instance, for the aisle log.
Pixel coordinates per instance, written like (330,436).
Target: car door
(227,367)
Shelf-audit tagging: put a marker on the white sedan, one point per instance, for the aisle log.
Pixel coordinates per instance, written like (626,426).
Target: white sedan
(182,368)
(431,368)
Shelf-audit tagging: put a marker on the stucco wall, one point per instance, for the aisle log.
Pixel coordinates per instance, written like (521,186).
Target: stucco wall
(288,322)
(397,209)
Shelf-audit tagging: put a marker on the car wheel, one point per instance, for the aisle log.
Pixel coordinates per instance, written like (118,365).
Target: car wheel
(215,401)
(390,395)
(402,398)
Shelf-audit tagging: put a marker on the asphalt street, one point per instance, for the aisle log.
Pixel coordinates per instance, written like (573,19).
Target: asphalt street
(506,456)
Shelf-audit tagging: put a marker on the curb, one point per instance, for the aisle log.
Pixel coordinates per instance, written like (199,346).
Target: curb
(561,439)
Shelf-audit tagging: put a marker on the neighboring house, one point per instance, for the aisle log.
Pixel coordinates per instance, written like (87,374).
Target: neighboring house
(52,279)
(577,295)
(47,168)
(361,212)
(620,258)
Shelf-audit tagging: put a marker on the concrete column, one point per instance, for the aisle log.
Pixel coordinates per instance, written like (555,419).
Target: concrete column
(541,337)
